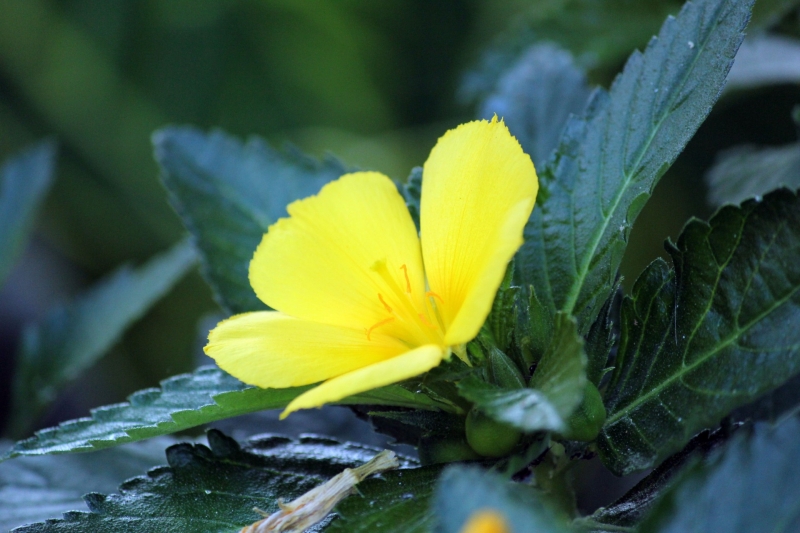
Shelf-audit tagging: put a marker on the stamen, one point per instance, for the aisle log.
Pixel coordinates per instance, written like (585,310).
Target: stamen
(425,321)
(432,294)
(377,325)
(408,282)
(385,305)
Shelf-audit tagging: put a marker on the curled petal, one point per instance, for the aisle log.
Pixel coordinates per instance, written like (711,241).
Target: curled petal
(478,190)
(399,368)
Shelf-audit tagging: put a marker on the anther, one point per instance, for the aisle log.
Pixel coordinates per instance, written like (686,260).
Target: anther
(425,321)
(385,305)
(432,294)
(408,282)
(377,325)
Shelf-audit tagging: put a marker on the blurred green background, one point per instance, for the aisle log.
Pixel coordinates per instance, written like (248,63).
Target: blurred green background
(374,82)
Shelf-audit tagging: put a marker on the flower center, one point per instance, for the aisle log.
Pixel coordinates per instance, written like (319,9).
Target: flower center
(416,319)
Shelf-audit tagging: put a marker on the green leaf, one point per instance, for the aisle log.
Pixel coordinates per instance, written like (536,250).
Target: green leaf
(608,163)
(24,181)
(629,510)
(765,60)
(556,387)
(37,488)
(502,319)
(72,337)
(182,402)
(463,491)
(746,172)
(227,194)
(752,486)
(536,96)
(213,489)
(412,193)
(717,333)
(395,502)
(602,337)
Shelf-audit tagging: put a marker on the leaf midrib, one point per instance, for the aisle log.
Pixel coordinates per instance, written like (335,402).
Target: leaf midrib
(699,361)
(575,290)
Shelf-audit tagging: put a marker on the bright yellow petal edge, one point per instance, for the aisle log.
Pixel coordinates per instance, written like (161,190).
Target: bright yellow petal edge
(345,272)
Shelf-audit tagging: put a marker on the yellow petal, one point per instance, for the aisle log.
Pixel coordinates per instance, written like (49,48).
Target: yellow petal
(270,349)
(318,263)
(478,190)
(386,372)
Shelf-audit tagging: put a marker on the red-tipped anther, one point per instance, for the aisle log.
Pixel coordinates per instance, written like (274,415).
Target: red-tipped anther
(425,321)
(432,294)
(377,325)
(408,281)
(385,305)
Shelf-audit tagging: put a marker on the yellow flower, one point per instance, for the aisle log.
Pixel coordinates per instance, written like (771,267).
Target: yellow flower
(361,300)
(486,521)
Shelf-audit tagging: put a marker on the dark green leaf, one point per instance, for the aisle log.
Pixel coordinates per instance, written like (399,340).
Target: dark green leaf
(601,338)
(774,406)
(464,491)
(753,486)
(24,181)
(227,195)
(629,510)
(394,502)
(213,489)
(556,387)
(182,402)
(503,317)
(746,171)
(608,163)
(412,192)
(73,337)
(536,96)
(38,488)
(717,333)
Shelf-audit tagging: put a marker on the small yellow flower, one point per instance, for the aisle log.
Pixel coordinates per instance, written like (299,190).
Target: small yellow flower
(361,300)
(486,521)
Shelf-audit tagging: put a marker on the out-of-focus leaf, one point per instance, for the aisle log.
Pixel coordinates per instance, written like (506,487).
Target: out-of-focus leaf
(24,180)
(768,12)
(214,489)
(412,192)
(72,337)
(715,334)
(33,489)
(183,402)
(464,491)
(536,96)
(631,508)
(751,487)
(774,406)
(556,387)
(765,60)
(395,502)
(607,164)
(227,194)
(746,172)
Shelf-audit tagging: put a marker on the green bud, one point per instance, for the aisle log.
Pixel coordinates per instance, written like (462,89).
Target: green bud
(445,450)
(503,370)
(588,419)
(488,437)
